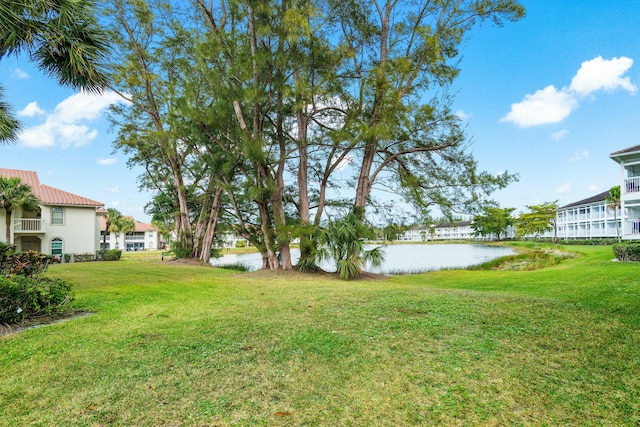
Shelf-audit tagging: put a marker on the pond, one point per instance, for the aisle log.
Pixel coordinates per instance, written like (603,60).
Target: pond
(400,259)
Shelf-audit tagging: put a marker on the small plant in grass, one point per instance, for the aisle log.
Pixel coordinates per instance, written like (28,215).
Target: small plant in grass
(237,266)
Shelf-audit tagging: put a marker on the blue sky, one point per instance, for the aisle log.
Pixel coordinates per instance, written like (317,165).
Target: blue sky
(548,97)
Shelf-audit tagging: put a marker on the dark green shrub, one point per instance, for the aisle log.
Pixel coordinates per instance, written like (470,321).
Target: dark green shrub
(627,251)
(180,249)
(24,297)
(109,255)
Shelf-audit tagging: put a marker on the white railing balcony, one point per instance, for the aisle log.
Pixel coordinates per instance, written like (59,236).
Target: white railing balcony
(632,185)
(28,225)
(632,226)
(129,238)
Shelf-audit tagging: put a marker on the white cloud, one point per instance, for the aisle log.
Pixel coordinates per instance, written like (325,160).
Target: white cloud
(557,136)
(550,105)
(564,189)
(17,73)
(462,115)
(38,136)
(579,155)
(342,165)
(594,187)
(115,189)
(604,74)
(84,106)
(108,161)
(31,110)
(69,124)
(545,106)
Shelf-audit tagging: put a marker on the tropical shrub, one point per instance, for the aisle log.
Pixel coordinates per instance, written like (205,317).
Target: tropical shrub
(23,292)
(343,241)
(627,251)
(29,263)
(24,297)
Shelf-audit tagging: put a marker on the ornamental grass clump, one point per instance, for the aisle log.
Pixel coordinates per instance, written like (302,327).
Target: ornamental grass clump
(24,293)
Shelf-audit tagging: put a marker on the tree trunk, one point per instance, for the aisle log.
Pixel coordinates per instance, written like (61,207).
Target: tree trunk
(185,234)
(363,190)
(7,221)
(269,256)
(210,232)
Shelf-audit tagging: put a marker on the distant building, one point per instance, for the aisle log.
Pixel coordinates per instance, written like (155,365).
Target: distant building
(454,230)
(590,218)
(144,237)
(629,161)
(62,223)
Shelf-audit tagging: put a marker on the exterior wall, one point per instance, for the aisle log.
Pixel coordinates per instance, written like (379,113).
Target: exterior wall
(629,193)
(461,231)
(417,234)
(78,231)
(454,233)
(588,221)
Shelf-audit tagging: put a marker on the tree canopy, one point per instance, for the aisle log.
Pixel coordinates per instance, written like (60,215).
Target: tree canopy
(493,222)
(538,219)
(61,36)
(274,117)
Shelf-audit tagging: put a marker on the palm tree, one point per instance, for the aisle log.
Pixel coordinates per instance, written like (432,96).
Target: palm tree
(15,194)
(61,36)
(123,225)
(343,242)
(613,202)
(110,217)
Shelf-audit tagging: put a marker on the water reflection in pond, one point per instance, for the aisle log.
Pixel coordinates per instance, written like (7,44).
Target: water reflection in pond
(400,259)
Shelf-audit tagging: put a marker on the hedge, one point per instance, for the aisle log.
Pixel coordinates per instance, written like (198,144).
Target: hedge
(109,255)
(627,252)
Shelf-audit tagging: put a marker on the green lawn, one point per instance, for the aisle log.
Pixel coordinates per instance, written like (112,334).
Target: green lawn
(179,345)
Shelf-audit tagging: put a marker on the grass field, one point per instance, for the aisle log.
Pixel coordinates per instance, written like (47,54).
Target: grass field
(179,345)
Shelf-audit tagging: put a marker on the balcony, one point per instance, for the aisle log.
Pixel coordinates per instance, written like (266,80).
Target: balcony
(28,225)
(632,226)
(632,185)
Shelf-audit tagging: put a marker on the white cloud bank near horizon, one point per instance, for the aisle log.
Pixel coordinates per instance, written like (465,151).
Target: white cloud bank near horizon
(69,123)
(550,105)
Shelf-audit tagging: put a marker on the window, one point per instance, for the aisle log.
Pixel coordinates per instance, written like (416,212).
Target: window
(56,246)
(57,216)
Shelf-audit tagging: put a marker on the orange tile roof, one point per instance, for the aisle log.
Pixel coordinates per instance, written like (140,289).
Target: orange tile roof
(140,226)
(48,195)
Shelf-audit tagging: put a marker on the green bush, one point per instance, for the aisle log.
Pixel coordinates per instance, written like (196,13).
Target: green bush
(627,251)
(110,255)
(24,297)
(241,243)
